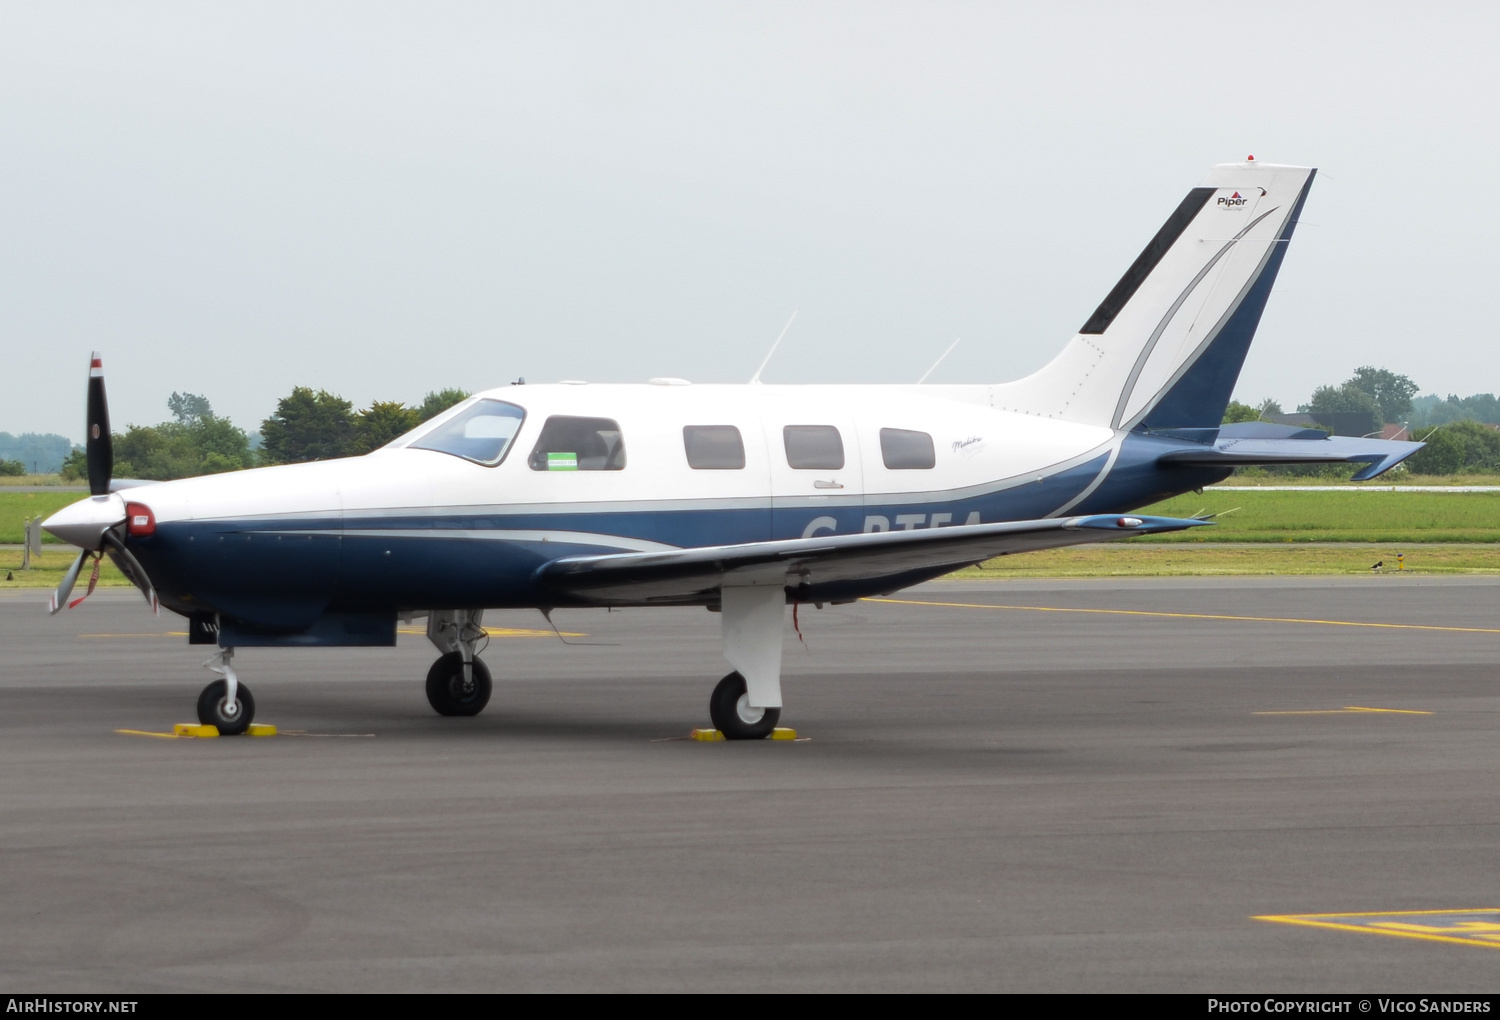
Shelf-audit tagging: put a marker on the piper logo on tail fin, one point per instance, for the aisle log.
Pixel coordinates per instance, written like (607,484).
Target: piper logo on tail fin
(1231,201)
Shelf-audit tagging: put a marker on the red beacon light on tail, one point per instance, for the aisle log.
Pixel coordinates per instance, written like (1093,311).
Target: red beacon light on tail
(139,520)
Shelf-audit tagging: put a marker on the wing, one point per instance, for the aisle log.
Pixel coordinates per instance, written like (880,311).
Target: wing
(694,575)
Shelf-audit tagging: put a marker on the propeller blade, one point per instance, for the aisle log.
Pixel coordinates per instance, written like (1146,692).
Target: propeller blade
(60,597)
(131,568)
(99,448)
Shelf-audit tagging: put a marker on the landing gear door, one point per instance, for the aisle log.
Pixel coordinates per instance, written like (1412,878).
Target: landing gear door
(817,483)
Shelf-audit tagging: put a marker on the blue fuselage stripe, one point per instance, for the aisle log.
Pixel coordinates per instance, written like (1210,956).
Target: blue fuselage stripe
(284,573)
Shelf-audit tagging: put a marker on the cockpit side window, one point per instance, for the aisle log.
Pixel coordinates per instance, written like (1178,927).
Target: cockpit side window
(482,433)
(579,444)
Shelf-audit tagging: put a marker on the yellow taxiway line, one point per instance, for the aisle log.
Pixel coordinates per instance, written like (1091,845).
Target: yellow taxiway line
(1488,932)
(496,632)
(1347,710)
(1190,616)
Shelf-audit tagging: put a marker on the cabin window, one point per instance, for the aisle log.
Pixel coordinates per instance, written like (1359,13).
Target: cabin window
(713,447)
(813,447)
(481,433)
(903,450)
(579,444)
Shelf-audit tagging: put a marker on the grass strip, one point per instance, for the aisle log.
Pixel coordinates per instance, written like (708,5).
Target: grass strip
(48,570)
(1357,517)
(1138,559)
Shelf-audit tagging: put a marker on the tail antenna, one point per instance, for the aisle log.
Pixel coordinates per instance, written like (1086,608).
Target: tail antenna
(755,379)
(939,361)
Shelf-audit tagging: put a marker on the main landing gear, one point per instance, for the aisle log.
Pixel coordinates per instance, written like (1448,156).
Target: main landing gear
(746,704)
(729,708)
(226,704)
(458,683)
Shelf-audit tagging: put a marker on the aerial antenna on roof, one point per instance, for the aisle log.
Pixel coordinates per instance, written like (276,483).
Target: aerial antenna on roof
(755,379)
(938,362)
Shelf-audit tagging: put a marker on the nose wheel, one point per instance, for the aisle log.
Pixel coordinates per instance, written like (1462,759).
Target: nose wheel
(231,718)
(225,704)
(450,693)
(729,708)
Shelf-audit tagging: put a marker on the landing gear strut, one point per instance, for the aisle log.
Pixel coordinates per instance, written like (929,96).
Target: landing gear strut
(226,704)
(458,683)
(746,704)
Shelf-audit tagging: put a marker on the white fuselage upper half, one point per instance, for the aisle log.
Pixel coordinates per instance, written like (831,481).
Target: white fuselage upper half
(974,447)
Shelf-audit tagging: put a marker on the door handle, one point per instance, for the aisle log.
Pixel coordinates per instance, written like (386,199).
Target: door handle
(828,484)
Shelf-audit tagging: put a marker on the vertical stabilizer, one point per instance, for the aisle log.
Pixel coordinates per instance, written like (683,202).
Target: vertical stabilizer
(1163,350)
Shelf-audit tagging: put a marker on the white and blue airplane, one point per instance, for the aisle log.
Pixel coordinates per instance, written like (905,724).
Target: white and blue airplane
(739,498)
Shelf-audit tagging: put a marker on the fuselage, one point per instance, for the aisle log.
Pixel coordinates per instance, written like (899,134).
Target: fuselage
(412,528)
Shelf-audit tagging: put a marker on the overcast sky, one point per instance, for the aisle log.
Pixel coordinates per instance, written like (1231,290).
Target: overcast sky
(381,200)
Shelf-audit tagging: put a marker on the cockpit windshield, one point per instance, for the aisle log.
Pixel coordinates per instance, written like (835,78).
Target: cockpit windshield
(481,433)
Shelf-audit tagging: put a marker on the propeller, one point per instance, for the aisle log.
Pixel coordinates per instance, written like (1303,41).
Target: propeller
(92,524)
(98,445)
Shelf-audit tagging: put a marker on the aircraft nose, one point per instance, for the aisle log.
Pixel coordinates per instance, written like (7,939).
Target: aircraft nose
(84,523)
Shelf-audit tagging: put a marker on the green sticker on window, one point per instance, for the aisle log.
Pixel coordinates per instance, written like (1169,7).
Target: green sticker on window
(562,462)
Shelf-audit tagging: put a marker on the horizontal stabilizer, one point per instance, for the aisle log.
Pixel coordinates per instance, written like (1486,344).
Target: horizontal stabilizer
(694,575)
(1249,443)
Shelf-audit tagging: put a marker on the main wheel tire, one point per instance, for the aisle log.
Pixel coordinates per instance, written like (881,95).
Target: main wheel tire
(729,708)
(445,686)
(212,705)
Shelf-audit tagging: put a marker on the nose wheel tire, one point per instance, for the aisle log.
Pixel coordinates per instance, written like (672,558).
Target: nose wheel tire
(729,708)
(214,709)
(446,691)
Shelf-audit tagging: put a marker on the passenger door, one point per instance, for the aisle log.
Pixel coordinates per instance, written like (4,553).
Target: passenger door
(817,484)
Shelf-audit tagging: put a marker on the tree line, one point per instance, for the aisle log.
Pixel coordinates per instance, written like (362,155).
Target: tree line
(1455,430)
(317,425)
(306,425)
(32,453)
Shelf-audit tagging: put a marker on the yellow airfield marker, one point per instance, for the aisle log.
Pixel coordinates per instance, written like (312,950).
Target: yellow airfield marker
(183,729)
(779,733)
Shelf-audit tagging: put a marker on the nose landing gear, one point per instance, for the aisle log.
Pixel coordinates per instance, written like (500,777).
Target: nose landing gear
(450,693)
(226,704)
(458,683)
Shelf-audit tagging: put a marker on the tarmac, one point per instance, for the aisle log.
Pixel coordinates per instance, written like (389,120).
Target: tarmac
(1081,785)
